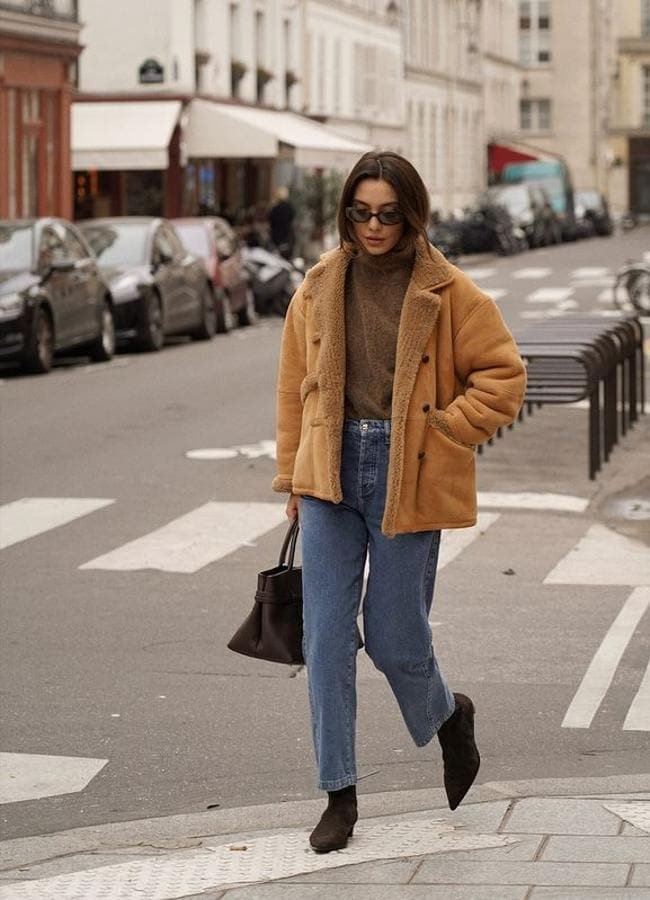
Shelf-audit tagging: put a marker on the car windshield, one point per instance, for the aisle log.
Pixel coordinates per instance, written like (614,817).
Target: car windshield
(16,246)
(117,243)
(514,197)
(194,238)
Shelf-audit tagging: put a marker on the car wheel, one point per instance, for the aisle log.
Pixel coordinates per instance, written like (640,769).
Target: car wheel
(152,335)
(103,347)
(224,314)
(247,315)
(208,327)
(40,349)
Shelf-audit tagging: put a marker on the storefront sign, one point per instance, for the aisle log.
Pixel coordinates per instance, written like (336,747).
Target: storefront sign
(151,72)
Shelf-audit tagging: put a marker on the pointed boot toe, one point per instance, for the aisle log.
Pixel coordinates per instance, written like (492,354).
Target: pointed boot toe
(460,756)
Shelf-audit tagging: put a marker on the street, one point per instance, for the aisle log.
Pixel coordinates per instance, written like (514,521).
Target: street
(151,514)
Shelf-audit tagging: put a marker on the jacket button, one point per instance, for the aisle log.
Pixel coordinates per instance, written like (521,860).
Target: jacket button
(426,407)
(425,358)
(421,454)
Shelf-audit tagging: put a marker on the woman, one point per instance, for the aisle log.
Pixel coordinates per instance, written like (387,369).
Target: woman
(393,367)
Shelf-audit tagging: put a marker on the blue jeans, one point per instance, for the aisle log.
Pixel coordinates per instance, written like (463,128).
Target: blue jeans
(396,606)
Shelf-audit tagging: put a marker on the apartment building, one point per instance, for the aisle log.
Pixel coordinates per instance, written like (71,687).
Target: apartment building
(629,131)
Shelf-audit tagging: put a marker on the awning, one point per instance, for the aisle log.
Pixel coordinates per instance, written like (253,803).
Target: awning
(500,154)
(222,130)
(133,134)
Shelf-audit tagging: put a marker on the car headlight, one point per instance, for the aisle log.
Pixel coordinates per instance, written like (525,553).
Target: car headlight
(11,306)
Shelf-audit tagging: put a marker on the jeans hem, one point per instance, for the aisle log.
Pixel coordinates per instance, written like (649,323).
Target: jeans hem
(434,729)
(338,784)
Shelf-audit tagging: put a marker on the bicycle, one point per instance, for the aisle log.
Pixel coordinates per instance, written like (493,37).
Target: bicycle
(632,287)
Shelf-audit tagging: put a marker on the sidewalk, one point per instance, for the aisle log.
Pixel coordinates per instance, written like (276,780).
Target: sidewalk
(573,838)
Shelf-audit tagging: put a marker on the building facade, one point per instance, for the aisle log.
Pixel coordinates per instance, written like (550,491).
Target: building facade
(502,70)
(566,51)
(629,141)
(443,81)
(39,46)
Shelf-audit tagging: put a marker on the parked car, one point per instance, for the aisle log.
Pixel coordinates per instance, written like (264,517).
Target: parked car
(158,287)
(489,227)
(52,295)
(531,210)
(215,243)
(592,212)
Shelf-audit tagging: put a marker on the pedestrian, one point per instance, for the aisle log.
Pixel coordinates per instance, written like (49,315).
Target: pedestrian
(394,366)
(281,216)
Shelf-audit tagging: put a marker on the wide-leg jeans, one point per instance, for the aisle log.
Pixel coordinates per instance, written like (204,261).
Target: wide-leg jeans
(335,541)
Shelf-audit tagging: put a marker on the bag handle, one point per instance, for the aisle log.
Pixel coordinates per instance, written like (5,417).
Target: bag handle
(289,543)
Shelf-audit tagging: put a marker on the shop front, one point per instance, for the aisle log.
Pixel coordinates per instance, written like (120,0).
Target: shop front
(38,49)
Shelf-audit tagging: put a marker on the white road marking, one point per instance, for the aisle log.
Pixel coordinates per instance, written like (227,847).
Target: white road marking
(602,668)
(251,860)
(601,557)
(25,518)
(638,715)
(636,812)
(28,776)
(606,296)
(549,295)
(455,540)
(478,273)
(529,500)
(497,293)
(212,453)
(532,272)
(590,272)
(194,540)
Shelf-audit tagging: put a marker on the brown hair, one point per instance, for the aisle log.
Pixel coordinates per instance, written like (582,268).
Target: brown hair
(412,195)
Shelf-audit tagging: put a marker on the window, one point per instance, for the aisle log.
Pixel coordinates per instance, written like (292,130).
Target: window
(534,32)
(535,115)
(645,95)
(645,18)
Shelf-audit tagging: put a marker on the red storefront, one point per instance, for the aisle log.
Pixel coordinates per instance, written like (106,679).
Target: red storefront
(38,49)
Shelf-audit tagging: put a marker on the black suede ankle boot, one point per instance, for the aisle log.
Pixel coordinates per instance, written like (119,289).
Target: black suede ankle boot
(460,756)
(337,822)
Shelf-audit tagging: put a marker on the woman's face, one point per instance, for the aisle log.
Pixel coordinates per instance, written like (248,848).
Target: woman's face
(376,195)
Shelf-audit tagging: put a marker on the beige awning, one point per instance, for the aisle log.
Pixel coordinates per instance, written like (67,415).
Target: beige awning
(223,130)
(133,134)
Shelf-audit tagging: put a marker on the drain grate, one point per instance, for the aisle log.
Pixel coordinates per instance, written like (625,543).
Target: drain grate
(248,862)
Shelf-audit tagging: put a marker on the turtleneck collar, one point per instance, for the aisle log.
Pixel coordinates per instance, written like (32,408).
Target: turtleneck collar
(400,257)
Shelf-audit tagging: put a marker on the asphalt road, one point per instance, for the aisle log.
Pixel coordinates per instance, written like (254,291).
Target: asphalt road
(124,662)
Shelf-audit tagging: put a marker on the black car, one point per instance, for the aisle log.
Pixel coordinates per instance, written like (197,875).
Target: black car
(157,286)
(52,295)
(592,213)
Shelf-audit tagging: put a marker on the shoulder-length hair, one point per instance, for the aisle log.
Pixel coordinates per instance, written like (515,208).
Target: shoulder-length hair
(412,195)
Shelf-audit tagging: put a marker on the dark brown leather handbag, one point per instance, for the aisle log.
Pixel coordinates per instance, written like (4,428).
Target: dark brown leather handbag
(273,628)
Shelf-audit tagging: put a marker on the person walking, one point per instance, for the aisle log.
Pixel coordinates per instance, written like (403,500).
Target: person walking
(281,216)
(394,366)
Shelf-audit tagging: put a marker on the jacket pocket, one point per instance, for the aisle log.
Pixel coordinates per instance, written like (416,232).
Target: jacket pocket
(438,421)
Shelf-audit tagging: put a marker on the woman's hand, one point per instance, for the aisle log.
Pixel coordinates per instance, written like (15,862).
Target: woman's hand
(293,507)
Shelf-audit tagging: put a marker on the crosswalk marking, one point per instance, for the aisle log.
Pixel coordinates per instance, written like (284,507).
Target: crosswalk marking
(532,500)
(638,715)
(194,540)
(602,557)
(29,776)
(532,272)
(478,273)
(589,272)
(498,293)
(549,295)
(30,516)
(455,540)
(602,668)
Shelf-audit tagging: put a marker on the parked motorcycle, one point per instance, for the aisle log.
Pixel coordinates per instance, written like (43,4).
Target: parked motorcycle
(489,227)
(273,279)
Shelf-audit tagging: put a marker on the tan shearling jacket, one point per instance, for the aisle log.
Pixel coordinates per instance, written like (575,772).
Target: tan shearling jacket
(458,376)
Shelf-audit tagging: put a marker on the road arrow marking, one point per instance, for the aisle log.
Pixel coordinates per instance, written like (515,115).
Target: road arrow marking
(28,776)
(26,518)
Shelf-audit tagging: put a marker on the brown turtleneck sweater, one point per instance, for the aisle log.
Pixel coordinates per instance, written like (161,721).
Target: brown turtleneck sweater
(374,293)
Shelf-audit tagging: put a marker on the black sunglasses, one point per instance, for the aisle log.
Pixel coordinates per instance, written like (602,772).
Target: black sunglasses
(386,216)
